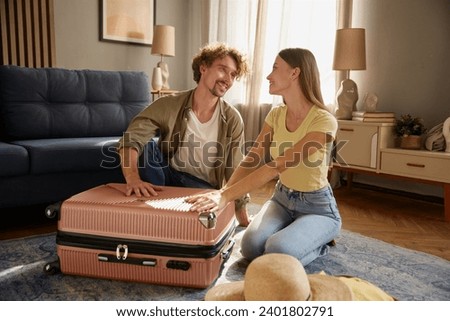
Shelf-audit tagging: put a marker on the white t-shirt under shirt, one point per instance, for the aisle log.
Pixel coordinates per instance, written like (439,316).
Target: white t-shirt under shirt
(197,152)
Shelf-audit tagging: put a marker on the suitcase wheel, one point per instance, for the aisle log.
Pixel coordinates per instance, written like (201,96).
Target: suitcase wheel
(52,210)
(52,268)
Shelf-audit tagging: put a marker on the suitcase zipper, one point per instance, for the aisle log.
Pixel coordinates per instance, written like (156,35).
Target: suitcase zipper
(123,247)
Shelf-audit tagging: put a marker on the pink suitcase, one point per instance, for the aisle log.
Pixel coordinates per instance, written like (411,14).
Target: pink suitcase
(104,234)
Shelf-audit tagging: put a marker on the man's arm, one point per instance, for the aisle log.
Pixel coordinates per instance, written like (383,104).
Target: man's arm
(129,164)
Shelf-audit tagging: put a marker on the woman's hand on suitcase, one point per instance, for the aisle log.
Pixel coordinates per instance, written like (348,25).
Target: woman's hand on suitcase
(212,201)
(215,201)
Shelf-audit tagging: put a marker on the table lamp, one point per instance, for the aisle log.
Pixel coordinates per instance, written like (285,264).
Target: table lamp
(349,54)
(164,45)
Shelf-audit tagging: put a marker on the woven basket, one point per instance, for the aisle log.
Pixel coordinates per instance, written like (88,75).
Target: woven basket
(411,142)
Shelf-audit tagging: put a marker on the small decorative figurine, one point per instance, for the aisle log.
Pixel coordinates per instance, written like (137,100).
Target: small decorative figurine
(370,102)
(446,133)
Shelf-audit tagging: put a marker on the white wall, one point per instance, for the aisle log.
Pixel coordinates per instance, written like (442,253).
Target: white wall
(78,45)
(408,48)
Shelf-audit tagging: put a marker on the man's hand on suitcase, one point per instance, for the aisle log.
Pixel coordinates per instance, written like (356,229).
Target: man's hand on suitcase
(141,188)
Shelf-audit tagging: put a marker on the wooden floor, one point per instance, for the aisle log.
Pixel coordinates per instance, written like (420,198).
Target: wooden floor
(400,220)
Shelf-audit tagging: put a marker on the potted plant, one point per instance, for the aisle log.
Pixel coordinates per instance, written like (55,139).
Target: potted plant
(410,130)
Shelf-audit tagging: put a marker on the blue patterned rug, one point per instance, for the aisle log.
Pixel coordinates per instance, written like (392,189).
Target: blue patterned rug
(405,274)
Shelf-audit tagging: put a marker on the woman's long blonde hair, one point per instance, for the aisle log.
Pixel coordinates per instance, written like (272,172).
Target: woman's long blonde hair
(309,79)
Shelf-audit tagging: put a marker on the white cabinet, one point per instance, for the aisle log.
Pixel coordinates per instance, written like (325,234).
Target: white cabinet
(369,148)
(358,144)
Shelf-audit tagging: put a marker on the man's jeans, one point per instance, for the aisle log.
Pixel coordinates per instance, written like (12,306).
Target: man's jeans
(295,223)
(154,168)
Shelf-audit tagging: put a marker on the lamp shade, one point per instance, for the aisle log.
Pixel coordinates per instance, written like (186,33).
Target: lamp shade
(163,41)
(350,49)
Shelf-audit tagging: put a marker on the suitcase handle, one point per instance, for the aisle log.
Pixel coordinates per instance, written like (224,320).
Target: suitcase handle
(228,249)
(136,261)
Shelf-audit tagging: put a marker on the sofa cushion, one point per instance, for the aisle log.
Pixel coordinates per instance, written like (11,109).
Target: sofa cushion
(13,160)
(71,154)
(39,103)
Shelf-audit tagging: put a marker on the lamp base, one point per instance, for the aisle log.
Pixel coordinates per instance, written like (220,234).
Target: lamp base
(346,97)
(157,81)
(165,75)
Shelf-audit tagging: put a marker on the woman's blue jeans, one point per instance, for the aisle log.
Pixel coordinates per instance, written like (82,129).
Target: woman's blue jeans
(295,223)
(154,168)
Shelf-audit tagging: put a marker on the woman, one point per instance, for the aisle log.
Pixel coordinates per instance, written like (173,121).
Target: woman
(302,215)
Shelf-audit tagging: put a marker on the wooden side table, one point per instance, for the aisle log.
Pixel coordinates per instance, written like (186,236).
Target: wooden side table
(159,93)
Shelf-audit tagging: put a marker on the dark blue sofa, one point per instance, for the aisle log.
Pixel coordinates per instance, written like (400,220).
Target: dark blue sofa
(59,129)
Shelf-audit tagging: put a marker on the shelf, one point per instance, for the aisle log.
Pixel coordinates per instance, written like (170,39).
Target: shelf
(160,93)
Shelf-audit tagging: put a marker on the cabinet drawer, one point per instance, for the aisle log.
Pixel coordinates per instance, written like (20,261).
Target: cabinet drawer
(357,145)
(416,166)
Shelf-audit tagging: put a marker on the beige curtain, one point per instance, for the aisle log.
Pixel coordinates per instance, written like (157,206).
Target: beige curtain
(250,109)
(204,21)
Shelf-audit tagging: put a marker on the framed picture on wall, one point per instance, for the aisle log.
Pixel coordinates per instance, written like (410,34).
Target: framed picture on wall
(128,21)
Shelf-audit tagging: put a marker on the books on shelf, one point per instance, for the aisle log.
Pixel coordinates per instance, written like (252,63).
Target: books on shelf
(374,114)
(374,117)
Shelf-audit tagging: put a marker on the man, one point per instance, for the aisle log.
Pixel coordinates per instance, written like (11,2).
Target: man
(201,136)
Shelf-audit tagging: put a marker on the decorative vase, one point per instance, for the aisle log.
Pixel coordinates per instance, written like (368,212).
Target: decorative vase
(165,75)
(411,142)
(346,97)
(157,81)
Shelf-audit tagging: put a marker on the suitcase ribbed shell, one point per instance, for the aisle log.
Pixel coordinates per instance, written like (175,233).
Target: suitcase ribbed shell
(105,212)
